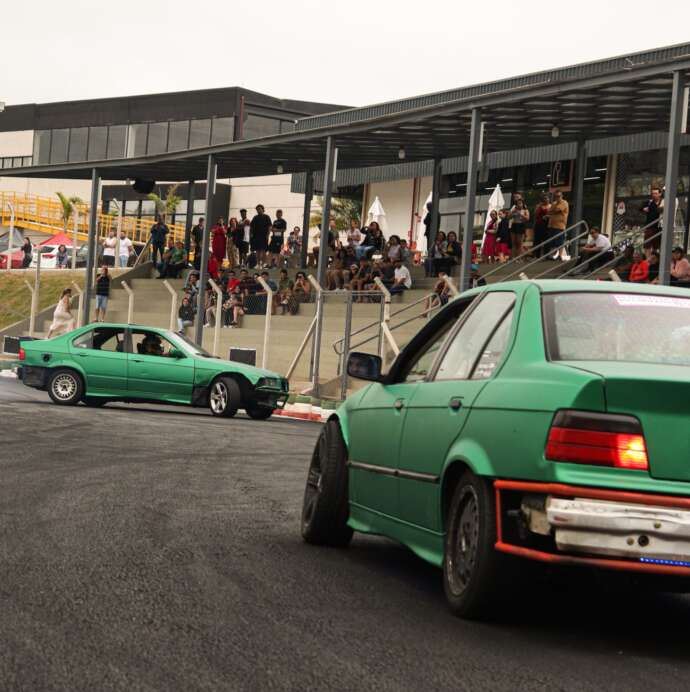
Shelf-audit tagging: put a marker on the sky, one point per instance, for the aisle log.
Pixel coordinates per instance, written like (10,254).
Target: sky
(349,52)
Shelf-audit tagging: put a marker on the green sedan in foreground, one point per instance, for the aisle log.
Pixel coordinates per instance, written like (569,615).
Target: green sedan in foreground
(539,420)
(119,362)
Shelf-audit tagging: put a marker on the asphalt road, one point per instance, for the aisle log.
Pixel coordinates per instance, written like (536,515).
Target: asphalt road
(128,561)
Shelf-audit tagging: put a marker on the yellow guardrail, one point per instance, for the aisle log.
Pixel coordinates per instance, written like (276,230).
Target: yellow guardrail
(45,214)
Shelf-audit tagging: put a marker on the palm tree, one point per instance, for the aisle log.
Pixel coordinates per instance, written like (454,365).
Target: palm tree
(69,206)
(342,210)
(168,204)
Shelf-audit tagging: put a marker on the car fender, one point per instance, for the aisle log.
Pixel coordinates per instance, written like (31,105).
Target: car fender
(471,453)
(66,362)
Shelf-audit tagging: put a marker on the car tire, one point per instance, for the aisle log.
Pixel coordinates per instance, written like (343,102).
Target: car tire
(224,397)
(258,412)
(473,571)
(65,387)
(325,509)
(94,401)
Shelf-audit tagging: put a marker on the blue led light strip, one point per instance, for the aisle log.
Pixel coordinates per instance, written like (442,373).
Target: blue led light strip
(673,563)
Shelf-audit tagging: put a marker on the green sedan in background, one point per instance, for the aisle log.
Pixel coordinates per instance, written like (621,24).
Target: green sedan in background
(540,420)
(119,362)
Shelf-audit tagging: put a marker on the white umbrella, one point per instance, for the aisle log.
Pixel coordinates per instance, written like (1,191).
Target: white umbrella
(377,213)
(496,203)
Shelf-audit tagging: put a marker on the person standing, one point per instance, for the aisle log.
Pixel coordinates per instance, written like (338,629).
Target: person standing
(653,211)
(109,246)
(63,321)
(158,233)
(541,227)
(278,231)
(219,241)
(243,236)
(488,251)
(259,229)
(198,238)
(558,220)
(102,293)
(28,251)
(519,216)
(503,236)
(126,249)
(231,245)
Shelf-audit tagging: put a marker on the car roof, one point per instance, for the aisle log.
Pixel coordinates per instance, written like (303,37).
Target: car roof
(116,325)
(584,286)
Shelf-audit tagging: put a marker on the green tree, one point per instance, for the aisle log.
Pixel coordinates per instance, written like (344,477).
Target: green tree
(168,204)
(69,206)
(342,210)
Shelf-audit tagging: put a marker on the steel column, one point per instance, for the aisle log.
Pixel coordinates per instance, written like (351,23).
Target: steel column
(578,190)
(203,267)
(672,160)
(189,218)
(686,231)
(93,235)
(470,200)
(435,198)
(326,211)
(308,195)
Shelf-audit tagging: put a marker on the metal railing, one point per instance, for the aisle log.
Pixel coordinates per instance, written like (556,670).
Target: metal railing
(534,260)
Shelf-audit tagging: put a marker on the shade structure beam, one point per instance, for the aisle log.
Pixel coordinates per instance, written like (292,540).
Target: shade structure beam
(91,244)
(471,200)
(672,162)
(329,174)
(211,169)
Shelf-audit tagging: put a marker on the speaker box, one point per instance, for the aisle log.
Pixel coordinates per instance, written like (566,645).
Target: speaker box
(143,186)
(243,355)
(11,343)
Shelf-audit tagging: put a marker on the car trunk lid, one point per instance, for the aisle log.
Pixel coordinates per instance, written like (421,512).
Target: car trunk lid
(659,397)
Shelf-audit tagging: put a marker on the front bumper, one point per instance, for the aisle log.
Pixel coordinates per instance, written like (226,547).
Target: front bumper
(271,392)
(603,528)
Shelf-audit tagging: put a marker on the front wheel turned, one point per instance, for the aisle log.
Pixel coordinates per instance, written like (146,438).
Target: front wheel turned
(224,397)
(325,509)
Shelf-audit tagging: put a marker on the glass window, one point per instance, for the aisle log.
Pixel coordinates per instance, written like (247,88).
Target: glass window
(158,138)
(78,140)
(58,145)
(84,340)
(148,343)
(98,139)
(102,339)
(179,135)
(493,351)
(117,141)
(148,208)
(199,133)
(467,344)
(223,130)
(259,126)
(619,327)
(136,142)
(41,146)
(420,366)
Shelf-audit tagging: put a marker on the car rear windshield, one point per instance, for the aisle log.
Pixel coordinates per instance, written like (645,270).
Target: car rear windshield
(617,326)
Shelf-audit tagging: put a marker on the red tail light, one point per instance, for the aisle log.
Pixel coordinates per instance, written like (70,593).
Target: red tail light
(22,354)
(581,437)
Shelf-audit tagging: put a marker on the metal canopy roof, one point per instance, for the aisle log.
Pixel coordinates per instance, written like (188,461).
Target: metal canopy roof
(627,100)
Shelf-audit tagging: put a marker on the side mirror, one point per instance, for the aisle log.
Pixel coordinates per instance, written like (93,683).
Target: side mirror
(175,353)
(364,366)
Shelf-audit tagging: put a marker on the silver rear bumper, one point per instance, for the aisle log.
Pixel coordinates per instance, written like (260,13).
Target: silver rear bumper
(619,529)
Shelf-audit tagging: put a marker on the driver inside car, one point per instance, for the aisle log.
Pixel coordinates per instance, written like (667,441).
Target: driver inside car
(152,345)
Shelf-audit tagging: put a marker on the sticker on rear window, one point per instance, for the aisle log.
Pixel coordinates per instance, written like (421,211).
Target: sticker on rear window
(628,300)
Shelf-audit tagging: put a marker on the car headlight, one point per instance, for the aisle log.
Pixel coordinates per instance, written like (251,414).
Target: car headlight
(270,382)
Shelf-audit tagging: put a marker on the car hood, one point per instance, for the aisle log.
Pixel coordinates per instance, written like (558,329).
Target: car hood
(250,371)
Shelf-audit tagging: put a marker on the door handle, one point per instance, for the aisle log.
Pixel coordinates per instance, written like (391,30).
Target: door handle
(136,360)
(399,403)
(82,355)
(455,403)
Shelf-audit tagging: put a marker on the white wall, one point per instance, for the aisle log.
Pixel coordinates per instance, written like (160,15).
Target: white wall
(273,191)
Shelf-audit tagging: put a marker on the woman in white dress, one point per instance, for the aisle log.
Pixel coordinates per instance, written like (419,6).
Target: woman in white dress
(63,321)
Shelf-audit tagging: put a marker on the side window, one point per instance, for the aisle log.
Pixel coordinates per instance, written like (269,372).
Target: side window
(84,340)
(421,365)
(150,344)
(469,342)
(492,353)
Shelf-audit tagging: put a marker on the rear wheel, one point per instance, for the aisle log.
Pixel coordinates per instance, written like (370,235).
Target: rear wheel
(471,565)
(65,387)
(258,412)
(224,397)
(325,509)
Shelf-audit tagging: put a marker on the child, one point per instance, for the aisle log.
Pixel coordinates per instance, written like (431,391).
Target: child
(503,235)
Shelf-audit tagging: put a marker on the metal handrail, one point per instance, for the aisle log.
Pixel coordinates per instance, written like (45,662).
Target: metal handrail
(376,323)
(536,247)
(616,259)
